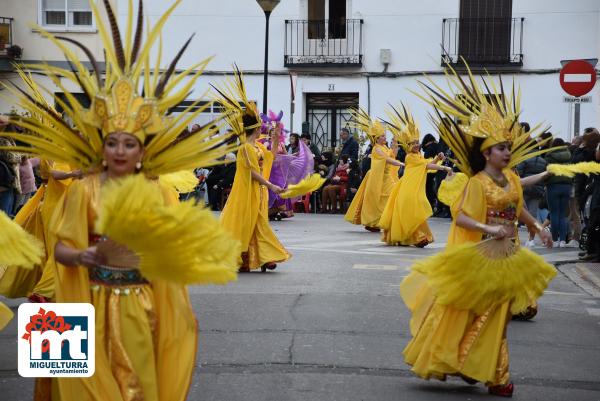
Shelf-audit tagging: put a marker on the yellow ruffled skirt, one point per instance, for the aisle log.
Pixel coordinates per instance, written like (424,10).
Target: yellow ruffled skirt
(461,301)
(449,341)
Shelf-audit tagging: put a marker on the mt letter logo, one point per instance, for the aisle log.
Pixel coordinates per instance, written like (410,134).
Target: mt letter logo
(56,340)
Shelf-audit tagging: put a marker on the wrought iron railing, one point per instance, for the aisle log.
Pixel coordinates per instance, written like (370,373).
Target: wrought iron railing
(483,41)
(6,38)
(323,42)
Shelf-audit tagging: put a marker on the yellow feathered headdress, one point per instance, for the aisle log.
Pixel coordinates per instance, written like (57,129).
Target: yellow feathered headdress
(133,96)
(469,110)
(362,121)
(403,126)
(232,96)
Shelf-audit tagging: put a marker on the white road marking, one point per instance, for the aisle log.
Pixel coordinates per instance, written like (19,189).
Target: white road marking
(377,267)
(576,294)
(593,311)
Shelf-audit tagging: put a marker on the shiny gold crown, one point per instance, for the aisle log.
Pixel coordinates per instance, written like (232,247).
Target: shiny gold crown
(403,126)
(123,110)
(362,121)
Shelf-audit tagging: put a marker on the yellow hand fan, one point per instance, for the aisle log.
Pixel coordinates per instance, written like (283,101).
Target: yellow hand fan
(181,243)
(17,247)
(569,170)
(309,184)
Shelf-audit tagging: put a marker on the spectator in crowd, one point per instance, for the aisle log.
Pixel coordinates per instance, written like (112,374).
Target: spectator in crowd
(325,165)
(442,210)
(585,152)
(313,148)
(349,144)
(10,186)
(558,191)
(294,147)
(336,187)
(430,150)
(354,180)
(593,227)
(27,181)
(220,178)
(533,194)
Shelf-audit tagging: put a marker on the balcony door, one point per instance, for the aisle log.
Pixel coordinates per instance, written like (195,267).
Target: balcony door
(485,31)
(326,27)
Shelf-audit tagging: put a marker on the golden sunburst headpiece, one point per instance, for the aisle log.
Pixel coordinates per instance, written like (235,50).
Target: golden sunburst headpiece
(402,125)
(469,110)
(362,121)
(133,95)
(232,96)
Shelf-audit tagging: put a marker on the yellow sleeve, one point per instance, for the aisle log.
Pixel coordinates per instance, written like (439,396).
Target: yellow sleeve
(473,202)
(249,157)
(75,223)
(415,160)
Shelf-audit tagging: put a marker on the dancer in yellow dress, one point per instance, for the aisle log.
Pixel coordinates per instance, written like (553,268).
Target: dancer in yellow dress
(246,213)
(146,333)
(370,199)
(37,218)
(404,219)
(462,299)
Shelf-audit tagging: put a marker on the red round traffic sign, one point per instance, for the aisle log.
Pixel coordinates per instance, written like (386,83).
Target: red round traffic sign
(577,77)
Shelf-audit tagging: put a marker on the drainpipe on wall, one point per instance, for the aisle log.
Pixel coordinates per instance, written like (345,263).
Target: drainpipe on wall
(369,95)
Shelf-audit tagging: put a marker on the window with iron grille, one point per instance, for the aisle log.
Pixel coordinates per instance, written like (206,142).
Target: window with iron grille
(67,14)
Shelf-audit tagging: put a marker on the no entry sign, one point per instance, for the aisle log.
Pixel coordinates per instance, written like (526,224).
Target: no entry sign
(577,77)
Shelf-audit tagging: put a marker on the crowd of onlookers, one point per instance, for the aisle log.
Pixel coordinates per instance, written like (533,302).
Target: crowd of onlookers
(17,178)
(569,206)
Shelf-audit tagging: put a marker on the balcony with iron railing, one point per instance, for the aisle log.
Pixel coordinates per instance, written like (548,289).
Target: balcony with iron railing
(324,43)
(483,42)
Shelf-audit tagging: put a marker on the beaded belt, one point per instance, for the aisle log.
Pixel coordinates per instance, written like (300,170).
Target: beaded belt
(114,276)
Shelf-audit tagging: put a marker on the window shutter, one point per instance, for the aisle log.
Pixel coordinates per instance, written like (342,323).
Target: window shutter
(53,5)
(78,5)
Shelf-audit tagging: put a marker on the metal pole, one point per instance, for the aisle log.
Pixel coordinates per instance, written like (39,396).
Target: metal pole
(577,119)
(266,72)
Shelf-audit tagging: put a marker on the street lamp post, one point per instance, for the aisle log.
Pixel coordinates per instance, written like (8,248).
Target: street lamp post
(267,6)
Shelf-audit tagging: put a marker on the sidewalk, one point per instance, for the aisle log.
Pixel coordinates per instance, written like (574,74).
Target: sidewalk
(585,274)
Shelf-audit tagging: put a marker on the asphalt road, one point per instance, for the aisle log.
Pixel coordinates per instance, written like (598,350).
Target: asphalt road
(330,325)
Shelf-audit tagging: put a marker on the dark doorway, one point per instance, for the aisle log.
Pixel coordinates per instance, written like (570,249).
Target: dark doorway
(327,114)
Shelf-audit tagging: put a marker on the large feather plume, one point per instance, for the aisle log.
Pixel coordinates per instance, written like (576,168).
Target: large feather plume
(183,243)
(461,114)
(569,170)
(17,247)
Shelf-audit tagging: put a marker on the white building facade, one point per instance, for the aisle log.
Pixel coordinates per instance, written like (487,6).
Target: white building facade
(344,53)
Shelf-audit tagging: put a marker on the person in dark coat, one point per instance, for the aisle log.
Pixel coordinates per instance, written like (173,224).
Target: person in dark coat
(430,150)
(593,228)
(220,178)
(349,144)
